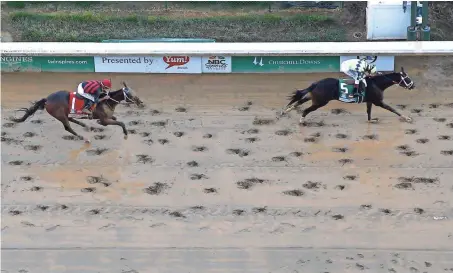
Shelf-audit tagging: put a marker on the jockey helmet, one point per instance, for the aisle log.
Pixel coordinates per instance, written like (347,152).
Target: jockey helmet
(106,83)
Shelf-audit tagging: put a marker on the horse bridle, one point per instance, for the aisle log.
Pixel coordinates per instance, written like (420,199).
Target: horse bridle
(126,97)
(403,79)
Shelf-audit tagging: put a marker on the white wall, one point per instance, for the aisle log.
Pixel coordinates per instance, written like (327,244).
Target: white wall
(387,20)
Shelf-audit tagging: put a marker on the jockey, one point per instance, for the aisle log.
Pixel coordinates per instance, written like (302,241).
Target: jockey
(357,69)
(91,90)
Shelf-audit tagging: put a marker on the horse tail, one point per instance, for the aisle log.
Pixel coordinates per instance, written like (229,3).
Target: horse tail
(39,105)
(300,94)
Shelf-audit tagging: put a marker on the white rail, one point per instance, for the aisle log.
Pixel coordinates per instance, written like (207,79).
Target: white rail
(400,48)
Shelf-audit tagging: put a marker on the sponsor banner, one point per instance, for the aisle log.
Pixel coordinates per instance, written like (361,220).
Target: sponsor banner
(216,64)
(383,63)
(285,64)
(46,64)
(131,64)
(148,64)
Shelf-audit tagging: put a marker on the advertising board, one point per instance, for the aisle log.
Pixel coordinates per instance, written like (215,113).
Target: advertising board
(216,64)
(285,64)
(46,64)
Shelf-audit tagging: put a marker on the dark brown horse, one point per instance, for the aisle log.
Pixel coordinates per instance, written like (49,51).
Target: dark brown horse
(58,105)
(325,90)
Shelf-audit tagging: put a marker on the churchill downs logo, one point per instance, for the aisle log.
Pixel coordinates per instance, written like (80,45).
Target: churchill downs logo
(216,63)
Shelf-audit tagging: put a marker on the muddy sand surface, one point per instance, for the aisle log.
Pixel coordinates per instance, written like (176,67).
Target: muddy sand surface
(205,184)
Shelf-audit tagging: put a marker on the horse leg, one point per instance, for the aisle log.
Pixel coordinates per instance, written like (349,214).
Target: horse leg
(109,121)
(369,105)
(391,109)
(68,128)
(308,110)
(73,120)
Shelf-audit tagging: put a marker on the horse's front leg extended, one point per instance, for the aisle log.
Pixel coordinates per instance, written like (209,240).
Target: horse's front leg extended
(109,121)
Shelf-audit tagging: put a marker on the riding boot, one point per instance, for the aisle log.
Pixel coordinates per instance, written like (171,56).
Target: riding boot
(86,107)
(355,91)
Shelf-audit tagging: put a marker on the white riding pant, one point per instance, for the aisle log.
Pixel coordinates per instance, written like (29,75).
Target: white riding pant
(353,74)
(82,93)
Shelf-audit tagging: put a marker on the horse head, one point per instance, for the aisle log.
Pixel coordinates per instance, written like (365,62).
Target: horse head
(130,95)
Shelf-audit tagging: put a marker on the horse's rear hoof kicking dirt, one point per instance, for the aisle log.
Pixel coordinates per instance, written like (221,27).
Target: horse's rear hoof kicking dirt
(325,90)
(66,107)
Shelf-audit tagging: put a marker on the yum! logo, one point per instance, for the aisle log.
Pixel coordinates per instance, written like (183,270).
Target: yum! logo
(176,60)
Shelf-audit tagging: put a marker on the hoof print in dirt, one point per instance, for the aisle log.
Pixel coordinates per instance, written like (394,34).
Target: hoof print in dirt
(181,110)
(144,159)
(148,142)
(37,121)
(434,105)
(207,136)
(339,111)
(199,148)
(439,119)
(163,141)
(404,186)
(70,137)
(42,207)
(98,180)
(341,136)
(337,217)
(197,176)
(410,153)
(313,124)
(263,121)
(176,214)
(244,108)
(9,140)
(97,130)
(422,140)
(449,125)
(339,149)
(370,137)
(156,189)
(178,134)
(447,152)
(410,131)
(239,152)
(366,206)
(159,123)
(88,189)
(295,192)
(350,177)
(16,163)
(416,111)
(310,139)
(385,211)
(97,151)
(192,163)
(419,210)
(26,178)
(340,187)
(278,158)
(345,161)
(36,188)
(283,132)
(259,210)
(134,122)
(154,112)
(210,190)
(132,131)
(32,147)
(29,134)
(100,137)
(312,185)
(249,183)
(94,211)
(418,180)
(15,212)
(443,137)
(238,212)
(145,134)
(296,154)
(9,125)
(252,139)
(401,106)
(251,131)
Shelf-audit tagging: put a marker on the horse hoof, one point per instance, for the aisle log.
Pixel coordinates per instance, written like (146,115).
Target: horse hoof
(374,120)
(87,141)
(125,136)
(301,120)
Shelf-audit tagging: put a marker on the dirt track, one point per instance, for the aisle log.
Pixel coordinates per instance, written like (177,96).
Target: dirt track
(284,201)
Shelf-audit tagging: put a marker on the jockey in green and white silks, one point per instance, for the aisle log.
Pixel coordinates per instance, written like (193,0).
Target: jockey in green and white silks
(357,69)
